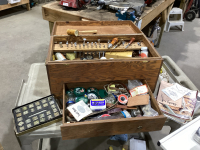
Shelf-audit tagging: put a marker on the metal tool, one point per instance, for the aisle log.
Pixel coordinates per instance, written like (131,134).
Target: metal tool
(80,46)
(99,45)
(131,41)
(88,44)
(99,41)
(75,44)
(123,42)
(103,53)
(92,44)
(108,43)
(84,39)
(67,43)
(71,44)
(61,46)
(115,40)
(118,44)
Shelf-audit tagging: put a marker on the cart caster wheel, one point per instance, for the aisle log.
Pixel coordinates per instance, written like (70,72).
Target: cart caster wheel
(195,9)
(190,15)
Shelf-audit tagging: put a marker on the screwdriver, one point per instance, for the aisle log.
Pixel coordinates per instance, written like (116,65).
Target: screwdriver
(115,40)
(131,41)
(118,44)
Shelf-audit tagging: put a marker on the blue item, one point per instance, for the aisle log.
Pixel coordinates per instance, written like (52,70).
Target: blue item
(120,137)
(126,15)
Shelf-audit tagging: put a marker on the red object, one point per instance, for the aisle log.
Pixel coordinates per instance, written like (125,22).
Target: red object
(123,99)
(105,115)
(188,7)
(148,2)
(74,3)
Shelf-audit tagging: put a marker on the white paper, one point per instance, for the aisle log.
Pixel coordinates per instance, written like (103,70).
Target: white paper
(176,91)
(139,24)
(137,144)
(65,4)
(79,110)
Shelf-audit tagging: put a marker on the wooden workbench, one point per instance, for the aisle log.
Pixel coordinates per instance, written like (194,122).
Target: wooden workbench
(54,12)
(23,2)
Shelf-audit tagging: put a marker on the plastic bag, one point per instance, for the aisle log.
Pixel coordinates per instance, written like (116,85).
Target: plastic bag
(134,83)
(148,111)
(120,137)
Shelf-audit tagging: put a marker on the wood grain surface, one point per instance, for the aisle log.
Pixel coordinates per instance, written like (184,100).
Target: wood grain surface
(22,2)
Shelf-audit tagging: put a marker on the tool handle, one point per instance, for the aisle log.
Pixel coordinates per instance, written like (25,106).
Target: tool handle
(115,40)
(89,31)
(131,41)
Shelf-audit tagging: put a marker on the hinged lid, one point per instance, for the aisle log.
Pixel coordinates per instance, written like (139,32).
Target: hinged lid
(102,27)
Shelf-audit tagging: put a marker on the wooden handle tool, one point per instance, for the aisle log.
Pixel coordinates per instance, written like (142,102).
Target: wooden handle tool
(131,41)
(76,32)
(115,40)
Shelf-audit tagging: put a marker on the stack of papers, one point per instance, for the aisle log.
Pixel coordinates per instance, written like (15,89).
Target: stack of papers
(177,101)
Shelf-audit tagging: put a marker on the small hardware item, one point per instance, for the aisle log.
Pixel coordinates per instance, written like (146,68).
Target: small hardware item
(71,44)
(123,42)
(116,89)
(130,42)
(60,56)
(79,110)
(31,105)
(79,91)
(97,104)
(117,45)
(61,46)
(67,44)
(77,32)
(84,39)
(122,99)
(88,44)
(45,105)
(115,40)
(70,56)
(92,95)
(82,98)
(99,41)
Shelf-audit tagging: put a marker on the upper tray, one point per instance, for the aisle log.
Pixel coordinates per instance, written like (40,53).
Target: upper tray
(102,27)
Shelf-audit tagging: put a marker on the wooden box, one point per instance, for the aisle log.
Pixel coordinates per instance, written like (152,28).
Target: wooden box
(97,70)
(112,126)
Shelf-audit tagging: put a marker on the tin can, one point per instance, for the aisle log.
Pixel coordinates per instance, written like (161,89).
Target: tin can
(144,52)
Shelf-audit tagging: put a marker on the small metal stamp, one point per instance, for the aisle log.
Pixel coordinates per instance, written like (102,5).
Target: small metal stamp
(51,102)
(67,44)
(49,117)
(44,101)
(32,109)
(28,121)
(37,103)
(41,115)
(53,106)
(88,44)
(31,105)
(55,110)
(56,114)
(19,114)
(80,46)
(123,42)
(39,107)
(99,45)
(71,44)
(19,119)
(29,125)
(48,112)
(20,123)
(99,41)
(103,54)
(24,108)
(84,39)
(61,46)
(17,110)
(21,128)
(35,118)
(25,112)
(36,122)
(45,105)
(49,98)
(42,119)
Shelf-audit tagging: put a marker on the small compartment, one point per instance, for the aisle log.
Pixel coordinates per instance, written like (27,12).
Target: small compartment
(111,126)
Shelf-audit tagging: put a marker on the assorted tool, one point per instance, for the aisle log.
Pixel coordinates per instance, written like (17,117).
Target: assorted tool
(115,40)
(76,32)
(118,44)
(131,41)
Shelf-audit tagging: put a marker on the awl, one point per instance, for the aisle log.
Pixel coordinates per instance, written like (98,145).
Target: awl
(115,40)
(118,44)
(131,41)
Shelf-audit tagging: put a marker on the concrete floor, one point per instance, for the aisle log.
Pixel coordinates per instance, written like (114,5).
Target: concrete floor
(24,39)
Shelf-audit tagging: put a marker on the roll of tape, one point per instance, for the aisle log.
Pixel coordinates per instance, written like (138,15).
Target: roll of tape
(123,99)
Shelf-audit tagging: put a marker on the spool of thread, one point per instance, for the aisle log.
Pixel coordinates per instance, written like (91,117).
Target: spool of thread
(72,32)
(123,99)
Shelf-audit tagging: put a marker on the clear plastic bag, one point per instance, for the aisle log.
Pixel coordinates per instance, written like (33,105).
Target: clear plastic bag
(148,111)
(134,83)
(110,99)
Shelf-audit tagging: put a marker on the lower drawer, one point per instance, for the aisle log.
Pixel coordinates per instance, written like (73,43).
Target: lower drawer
(112,126)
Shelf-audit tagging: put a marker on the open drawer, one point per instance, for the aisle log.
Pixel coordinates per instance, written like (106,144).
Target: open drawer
(111,126)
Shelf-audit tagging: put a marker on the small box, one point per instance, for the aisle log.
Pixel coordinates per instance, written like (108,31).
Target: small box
(97,104)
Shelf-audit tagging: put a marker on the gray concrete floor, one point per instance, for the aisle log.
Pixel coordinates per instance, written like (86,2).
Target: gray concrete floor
(24,39)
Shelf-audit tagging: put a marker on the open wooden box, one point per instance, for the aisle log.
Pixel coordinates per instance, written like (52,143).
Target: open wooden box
(98,70)
(111,126)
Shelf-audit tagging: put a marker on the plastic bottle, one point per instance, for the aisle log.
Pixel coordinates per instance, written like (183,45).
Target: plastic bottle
(70,98)
(144,52)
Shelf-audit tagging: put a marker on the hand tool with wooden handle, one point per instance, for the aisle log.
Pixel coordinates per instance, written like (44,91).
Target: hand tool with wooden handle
(76,32)
(131,41)
(115,40)
(118,44)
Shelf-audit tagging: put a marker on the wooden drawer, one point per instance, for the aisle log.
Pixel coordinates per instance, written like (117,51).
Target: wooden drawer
(111,126)
(97,70)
